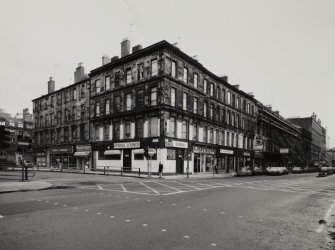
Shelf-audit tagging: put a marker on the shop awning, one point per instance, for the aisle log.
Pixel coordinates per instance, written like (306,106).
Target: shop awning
(112,152)
(138,151)
(82,154)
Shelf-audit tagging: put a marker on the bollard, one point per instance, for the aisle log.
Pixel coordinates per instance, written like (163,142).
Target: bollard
(139,172)
(121,171)
(104,170)
(26,173)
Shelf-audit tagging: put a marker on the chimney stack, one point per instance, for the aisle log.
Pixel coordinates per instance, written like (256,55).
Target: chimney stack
(79,74)
(137,48)
(225,78)
(125,47)
(51,85)
(237,86)
(105,60)
(251,94)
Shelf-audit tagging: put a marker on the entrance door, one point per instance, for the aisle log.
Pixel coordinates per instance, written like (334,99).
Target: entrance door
(127,159)
(180,161)
(196,163)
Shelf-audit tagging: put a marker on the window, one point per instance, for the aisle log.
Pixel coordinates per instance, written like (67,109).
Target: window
(229,97)
(233,119)
(154,68)
(218,113)
(107,82)
(98,86)
(237,103)
(107,106)
(139,128)
(140,98)
(173,97)
(128,101)
(211,135)
(237,123)
(228,117)
(117,79)
(97,109)
(117,103)
(52,101)
(195,80)
(205,86)
(222,138)
(248,108)
(185,75)
(228,138)
(205,134)
(116,130)
(211,111)
(173,69)
(172,128)
(212,89)
(127,134)
(195,105)
(106,130)
(195,132)
(252,109)
(82,91)
(223,95)
(232,139)
(140,72)
(184,130)
(205,109)
(153,126)
(153,96)
(74,94)
(128,76)
(74,134)
(233,100)
(97,133)
(74,113)
(184,101)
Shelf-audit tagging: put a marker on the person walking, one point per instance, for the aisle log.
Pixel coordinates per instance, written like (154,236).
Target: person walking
(160,170)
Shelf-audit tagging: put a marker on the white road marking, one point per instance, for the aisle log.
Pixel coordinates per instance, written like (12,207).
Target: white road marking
(174,204)
(155,191)
(222,212)
(123,188)
(204,209)
(161,202)
(148,200)
(213,244)
(240,216)
(86,210)
(100,187)
(128,220)
(330,210)
(112,216)
(186,236)
(180,191)
(98,213)
(163,230)
(55,203)
(1,216)
(145,225)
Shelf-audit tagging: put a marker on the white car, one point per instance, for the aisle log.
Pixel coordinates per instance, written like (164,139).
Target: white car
(28,164)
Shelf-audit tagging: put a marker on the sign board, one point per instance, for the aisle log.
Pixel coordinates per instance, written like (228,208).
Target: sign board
(246,154)
(134,144)
(283,150)
(21,143)
(83,148)
(226,151)
(151,152)
(203,150)
(63,150)
(176,144)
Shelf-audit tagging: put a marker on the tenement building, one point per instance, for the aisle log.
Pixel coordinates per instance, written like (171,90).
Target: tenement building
(278,142)
(318,144)
(61,131)
(159,97)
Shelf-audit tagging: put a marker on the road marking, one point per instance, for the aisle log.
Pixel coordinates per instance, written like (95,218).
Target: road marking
(112,216)
(123,188)
(98,213)
(64,205)
(168,186)
(174,204)
(186,236)
(213,244)
(161,202)
(145,225)
(222,212)
(1,216)
(330,210)
(100,187)
(204,209)
(163,230)
(55,203)
(155,191)
(128,220)
(148,200)
(86,210)
(186,185)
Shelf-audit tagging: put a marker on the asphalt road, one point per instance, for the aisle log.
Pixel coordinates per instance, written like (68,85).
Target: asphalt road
(97,212)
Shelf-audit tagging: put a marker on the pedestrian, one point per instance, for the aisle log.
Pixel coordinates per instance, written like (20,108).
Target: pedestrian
(216,169)
(160,170)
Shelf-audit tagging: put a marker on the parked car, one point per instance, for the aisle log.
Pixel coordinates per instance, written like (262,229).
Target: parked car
(285,171)
(244,172)
(274,171)
(323,172)
(28,164)
(297,170)
(256,171)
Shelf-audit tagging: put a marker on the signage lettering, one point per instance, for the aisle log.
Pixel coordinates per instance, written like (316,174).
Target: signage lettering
(135,144)
(226,151)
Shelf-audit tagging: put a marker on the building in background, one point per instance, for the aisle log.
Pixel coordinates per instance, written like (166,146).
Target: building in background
(318,144)
(161,98)
(20,135)
(61,130)
(278,142)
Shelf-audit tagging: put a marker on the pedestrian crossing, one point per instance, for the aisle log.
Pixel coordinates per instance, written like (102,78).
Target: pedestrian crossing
(170,187)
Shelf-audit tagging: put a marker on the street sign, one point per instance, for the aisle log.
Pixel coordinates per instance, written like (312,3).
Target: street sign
(151,152)
(23,143)
(283,150)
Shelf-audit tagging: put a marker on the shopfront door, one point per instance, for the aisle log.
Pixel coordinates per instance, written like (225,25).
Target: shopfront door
(127,159)
(196,163)
(180,161)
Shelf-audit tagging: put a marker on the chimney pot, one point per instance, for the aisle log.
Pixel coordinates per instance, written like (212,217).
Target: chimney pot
(51,85)
(125,47)
(79,74)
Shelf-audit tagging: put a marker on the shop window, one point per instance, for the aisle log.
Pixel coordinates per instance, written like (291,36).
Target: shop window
(138,156)
(171,154)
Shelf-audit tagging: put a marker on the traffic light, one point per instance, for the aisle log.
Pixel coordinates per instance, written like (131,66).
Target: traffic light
(146,152)
(4,138)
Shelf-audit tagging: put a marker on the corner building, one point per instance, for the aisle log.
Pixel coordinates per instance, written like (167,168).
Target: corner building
(161,98)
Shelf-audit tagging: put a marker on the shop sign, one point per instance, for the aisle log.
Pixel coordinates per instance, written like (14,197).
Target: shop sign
(176,144)
(83,148)
(203,150)
(63,150)
(40,154)
(134,144)
(246,154)
(226,151)
(283,150)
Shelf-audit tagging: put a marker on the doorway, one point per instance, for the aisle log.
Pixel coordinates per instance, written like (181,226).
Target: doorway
(127,159)
(179,161)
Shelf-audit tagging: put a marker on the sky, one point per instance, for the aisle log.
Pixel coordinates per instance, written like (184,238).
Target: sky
(281,50)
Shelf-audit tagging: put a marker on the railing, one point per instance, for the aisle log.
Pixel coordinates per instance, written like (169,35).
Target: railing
(121,170)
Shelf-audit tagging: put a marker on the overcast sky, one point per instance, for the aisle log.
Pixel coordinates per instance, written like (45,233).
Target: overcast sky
(283,50)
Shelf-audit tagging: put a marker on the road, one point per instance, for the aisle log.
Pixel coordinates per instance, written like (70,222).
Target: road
(97,212)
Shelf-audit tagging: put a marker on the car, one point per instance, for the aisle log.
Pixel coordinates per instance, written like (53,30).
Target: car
(274,171)
(244,172)
(323,172)
(297,170)
(28,164)
(256,171)
(285,171)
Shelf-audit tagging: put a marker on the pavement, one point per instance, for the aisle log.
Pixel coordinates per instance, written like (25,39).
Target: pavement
(18,186)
